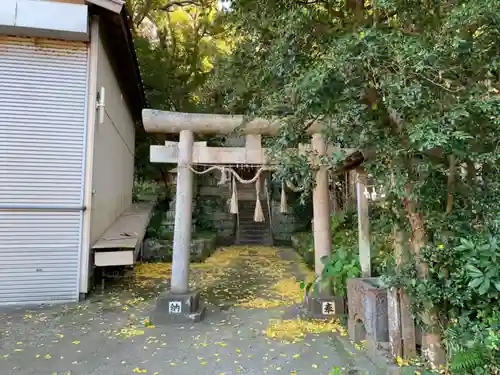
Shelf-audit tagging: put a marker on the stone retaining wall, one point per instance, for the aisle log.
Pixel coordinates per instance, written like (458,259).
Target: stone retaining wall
(303,244)
(213,213)
(283,225)
(161,249)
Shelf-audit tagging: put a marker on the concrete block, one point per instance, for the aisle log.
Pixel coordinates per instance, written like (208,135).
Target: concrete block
(178,308)
(324,307)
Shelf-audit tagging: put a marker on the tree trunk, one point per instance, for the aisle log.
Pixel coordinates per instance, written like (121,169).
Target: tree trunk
(407,322)
(431,340)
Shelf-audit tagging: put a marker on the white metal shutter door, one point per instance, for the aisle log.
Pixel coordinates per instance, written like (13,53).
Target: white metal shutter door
(42,130)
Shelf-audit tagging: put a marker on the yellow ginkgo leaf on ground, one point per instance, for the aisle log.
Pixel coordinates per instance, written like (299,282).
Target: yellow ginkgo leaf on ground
(76,342)
(296,356)
(314,366)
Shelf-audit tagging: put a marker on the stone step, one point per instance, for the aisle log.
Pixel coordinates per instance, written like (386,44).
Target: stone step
(254,233)
(250,231)
(253,228)
(251,222)
(257,241)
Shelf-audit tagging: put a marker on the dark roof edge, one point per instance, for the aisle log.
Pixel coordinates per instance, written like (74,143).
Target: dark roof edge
(119,42)
(126,26)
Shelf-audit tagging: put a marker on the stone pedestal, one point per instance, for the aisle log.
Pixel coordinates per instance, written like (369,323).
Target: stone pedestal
(178,308)
(368,314)
(324,307)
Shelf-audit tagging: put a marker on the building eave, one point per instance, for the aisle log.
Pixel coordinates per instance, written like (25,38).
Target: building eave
(116,29)
(114,6)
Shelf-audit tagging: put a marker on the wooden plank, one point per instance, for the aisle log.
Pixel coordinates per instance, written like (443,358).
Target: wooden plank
(114,258)
(128,230)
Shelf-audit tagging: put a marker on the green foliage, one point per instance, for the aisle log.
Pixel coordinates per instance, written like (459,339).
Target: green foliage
(176,47)
(177,44)
(343,263)
(156,228)
(463,277)
(474,345)
(204,211)
(336,371)
(421,371)
(482,265)
(303,243)
(338,267)
(146,190)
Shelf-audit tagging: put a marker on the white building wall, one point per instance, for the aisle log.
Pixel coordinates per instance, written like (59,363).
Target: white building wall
(113,165)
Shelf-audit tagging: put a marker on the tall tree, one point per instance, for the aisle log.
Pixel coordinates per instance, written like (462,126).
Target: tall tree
(177,43)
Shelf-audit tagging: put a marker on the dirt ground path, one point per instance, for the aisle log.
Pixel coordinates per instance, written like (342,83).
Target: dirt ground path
(251,326)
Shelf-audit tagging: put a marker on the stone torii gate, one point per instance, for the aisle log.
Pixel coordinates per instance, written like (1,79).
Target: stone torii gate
(180,303)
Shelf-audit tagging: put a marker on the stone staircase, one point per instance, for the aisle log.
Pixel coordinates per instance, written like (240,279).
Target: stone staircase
(251,232)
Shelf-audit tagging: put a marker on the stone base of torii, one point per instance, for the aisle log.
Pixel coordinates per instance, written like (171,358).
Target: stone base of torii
(180,304)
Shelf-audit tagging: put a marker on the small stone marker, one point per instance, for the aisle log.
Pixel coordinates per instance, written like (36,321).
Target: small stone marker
(174,307)
(324,306)
(328,308)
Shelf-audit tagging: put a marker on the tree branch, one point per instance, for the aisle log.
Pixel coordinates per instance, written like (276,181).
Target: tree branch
(170,5)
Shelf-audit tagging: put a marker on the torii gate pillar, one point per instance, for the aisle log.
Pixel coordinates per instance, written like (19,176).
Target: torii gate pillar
(180,304)
(183,215)
(321,209)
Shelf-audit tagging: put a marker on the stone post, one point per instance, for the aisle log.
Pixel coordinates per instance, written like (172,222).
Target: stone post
(321,209)
(183,215)
(363,224)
